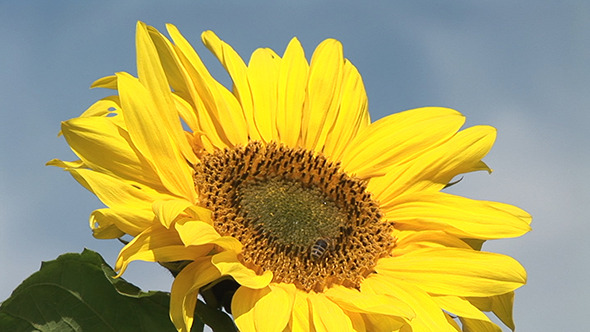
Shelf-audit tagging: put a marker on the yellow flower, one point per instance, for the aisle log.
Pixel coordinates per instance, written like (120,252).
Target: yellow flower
(326,220)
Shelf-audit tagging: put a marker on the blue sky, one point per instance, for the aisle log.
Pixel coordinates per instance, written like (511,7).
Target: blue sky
(522,67)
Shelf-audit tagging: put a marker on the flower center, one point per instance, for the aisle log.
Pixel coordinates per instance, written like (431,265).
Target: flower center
(290,213)
(296,214)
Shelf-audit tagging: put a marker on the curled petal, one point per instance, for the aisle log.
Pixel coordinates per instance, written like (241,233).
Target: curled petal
(127,221)
(183,296)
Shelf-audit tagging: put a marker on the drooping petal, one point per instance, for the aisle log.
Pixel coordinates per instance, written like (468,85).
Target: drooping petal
(399,138)
(252,307)
(155,244)
(453,271)
(183,296)
(459,216)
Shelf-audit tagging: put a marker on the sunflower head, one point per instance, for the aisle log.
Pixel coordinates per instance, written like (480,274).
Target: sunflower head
(284,186)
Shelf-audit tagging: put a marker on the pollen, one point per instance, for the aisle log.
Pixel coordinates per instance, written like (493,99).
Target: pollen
(296,213)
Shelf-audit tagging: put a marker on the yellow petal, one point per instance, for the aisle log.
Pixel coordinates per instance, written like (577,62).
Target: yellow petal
(194,233)
(105,147)
(301,317)
(433,169)
(399,138)
(200,213)
(183,296)
(238,71)
(358,323)
(107,106)
(153,139)
(476,325)
(152,76)
(409,241)
(500,305)
(104,224)
(291,93)
(323,93)
(114,192)
(327,316)
(187,113)
(502,308)
(453,271)
(168,210)
(155,244)
(429,316)
(352,116)
(242,306)
(263,76)
(221,116)
(127,220)
(459,216)
(228,263)
(460,307)
(107,82)
(66,165)
(364,302)
(252,307)
(376,322)
(169,61)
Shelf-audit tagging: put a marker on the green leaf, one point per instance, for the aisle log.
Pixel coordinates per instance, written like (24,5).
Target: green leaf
(216,319)
(72,293)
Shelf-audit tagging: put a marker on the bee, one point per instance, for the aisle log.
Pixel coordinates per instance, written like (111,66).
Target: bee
(319,248)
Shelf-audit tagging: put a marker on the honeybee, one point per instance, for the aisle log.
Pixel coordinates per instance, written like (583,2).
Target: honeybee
(319,248)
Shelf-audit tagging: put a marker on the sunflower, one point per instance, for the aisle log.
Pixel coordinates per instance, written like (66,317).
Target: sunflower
(283,185)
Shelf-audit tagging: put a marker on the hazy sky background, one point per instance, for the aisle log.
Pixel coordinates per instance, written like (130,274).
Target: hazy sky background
(522,67)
